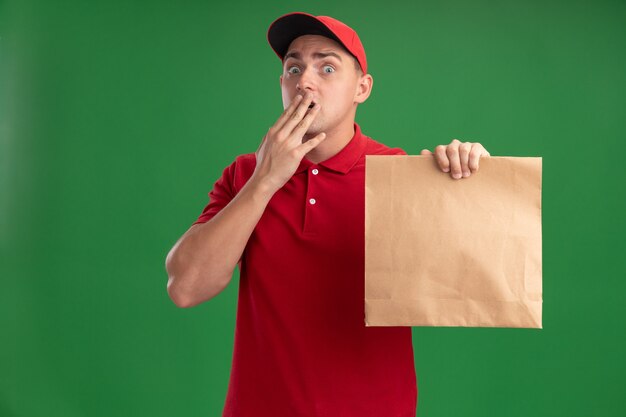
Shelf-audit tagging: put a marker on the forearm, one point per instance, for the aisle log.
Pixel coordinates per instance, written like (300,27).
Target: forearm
(201,263)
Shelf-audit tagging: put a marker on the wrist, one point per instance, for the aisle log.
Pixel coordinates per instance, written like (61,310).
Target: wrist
(261,189)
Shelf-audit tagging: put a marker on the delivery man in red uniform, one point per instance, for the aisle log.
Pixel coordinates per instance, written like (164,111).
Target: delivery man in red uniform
(291,215)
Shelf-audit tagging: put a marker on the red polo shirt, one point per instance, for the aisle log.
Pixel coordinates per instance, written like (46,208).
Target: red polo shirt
(301,346)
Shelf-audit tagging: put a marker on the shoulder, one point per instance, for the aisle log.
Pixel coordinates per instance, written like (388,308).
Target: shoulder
(373,147)
(233,178)
(239,171)
(241,165)
(245,162)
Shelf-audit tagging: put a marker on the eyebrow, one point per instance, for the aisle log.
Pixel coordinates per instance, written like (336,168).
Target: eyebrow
(316,55)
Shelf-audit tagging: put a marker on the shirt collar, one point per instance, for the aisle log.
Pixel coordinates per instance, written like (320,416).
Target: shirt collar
(345,159)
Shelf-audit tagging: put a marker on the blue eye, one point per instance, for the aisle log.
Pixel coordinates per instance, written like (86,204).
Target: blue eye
(293,70)
(328,69)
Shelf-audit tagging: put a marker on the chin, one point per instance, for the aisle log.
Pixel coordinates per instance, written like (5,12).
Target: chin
(311,133)
(315,129)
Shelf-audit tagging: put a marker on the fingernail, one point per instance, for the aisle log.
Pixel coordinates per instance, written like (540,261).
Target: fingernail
(466,174)
(456,175)
(298,97)
(446,170)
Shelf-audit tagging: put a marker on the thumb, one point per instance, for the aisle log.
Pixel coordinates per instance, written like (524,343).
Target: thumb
(262,143)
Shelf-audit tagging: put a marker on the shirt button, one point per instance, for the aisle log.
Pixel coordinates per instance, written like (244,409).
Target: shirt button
(315,171)
(312,201)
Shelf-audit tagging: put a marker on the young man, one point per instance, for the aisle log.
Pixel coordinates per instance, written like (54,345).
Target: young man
(291,216)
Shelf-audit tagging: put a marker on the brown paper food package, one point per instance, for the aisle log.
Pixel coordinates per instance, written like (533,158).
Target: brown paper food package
(445,252)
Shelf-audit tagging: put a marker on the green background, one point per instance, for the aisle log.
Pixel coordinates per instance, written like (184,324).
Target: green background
(116,117)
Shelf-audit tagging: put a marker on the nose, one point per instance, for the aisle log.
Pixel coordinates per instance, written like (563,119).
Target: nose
(306,80)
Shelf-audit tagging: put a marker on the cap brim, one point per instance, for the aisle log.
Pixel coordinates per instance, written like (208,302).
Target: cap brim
(288,27)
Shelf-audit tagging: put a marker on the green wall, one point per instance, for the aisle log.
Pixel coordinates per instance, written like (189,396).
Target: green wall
(116,117)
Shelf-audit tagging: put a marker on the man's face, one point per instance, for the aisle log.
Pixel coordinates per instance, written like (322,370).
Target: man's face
(321,66)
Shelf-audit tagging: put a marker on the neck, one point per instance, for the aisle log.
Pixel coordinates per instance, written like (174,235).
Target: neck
(336,140)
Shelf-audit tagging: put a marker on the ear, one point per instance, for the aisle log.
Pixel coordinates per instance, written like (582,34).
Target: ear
(363,88)
(281,80)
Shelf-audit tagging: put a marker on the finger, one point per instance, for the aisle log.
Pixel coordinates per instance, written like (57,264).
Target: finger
(425,152)
(310,144)
(263,141)
(288,112)
(464,151)
(298,114)
(301,128)
(452,152)
(474,156)
(442,158)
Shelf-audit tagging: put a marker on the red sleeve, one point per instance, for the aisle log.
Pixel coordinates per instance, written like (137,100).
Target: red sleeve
(222,193)
(228,185)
